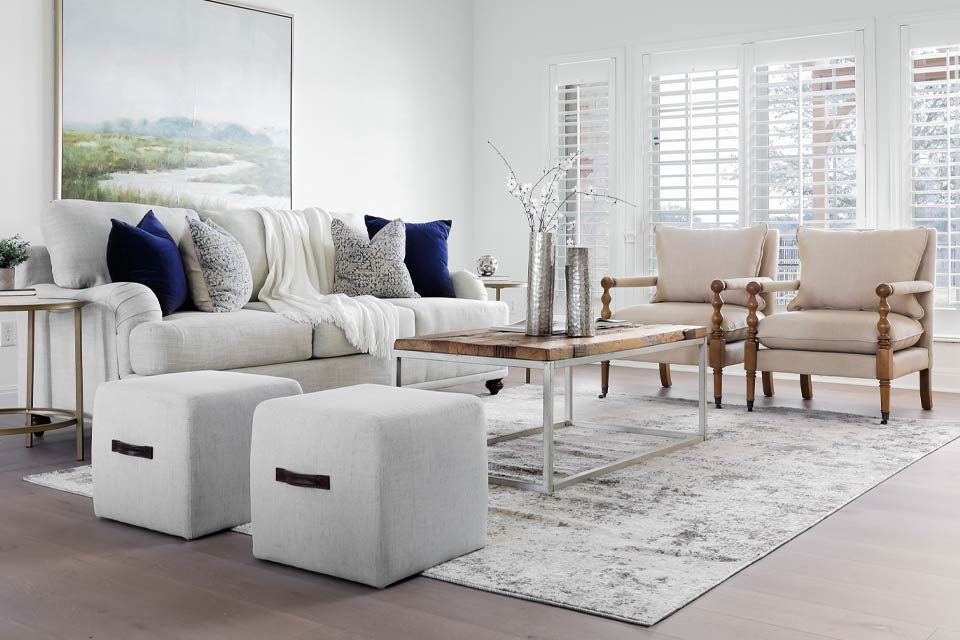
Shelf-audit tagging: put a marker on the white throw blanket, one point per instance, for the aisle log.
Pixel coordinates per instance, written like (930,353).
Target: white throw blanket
(299,282)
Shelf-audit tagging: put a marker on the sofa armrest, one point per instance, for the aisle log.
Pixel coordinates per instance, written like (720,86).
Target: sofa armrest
(115,308)
(610,282)
(37,269)
(468,286)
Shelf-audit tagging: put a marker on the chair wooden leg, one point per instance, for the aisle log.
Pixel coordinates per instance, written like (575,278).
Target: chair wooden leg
(884,401)
(718,387)
(767,378)
(926,391)
(806,386)
(604,378)
(665,380)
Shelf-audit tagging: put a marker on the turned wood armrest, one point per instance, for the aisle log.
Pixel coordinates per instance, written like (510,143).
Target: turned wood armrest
(757,286)
(609,282)
(730,284)
(887,289)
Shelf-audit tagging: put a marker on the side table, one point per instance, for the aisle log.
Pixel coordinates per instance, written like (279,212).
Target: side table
(498,286)
(59,418)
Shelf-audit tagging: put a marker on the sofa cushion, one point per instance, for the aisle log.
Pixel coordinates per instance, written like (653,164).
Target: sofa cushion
(193,340)
(330,342)
(437,315)
(76,232)
(693,313)
(426,256)
(247,227)
(365,266)
(147,255)
(688,260)
(841,269)
(216,266)
(835,330)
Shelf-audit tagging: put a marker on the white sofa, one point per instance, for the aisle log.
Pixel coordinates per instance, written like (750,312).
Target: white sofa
(124,335)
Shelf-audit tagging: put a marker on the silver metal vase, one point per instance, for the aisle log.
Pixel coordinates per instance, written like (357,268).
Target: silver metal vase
(541,272)
(581,320)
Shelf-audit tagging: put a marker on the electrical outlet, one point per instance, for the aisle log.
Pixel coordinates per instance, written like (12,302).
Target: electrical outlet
(8,333)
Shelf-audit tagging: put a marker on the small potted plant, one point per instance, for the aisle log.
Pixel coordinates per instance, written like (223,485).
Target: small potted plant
(13,252)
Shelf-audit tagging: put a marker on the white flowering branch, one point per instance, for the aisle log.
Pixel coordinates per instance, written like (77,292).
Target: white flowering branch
(543,210)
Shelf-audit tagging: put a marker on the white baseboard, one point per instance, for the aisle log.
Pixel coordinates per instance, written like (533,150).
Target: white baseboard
(945,379)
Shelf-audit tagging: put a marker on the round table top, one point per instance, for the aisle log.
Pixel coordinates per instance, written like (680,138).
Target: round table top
(502,284)
(36,303)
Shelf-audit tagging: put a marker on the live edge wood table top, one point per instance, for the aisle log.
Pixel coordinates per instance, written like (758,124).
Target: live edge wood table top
(489,343)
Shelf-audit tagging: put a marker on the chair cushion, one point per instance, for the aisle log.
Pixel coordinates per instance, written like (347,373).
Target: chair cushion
(692,313)
(841,269)
(688,260)
(437,315)
(330,342)
(76,231)
(835,330)
(193,340)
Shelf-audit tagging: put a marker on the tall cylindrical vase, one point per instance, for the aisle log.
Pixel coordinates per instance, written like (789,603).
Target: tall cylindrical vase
(7,278)
(581,320)
(541,271)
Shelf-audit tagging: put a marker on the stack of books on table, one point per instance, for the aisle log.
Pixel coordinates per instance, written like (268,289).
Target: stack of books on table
(497,279)
(5,293)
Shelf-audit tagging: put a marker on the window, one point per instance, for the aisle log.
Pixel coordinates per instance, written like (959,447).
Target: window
(693,143)
(583,97)
(933,182)
(763,132)
(806,142)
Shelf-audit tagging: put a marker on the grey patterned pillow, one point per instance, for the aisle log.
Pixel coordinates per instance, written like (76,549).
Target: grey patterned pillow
(218,273)
(371,267)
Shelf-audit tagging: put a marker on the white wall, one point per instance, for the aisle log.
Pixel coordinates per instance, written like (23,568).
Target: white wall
(514,42)
(382,113)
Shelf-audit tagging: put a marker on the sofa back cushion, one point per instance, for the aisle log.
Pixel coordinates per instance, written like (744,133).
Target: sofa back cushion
(76,232)
(841,269)
(688,260)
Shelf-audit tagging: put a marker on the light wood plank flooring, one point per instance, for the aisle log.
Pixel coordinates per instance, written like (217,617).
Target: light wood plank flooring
(885,566)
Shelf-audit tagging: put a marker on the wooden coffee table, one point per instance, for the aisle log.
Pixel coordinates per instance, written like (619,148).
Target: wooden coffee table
(549,354)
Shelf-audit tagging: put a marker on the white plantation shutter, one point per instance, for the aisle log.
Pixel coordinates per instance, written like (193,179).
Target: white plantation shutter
(806,140)
(583,104)
(933,181)
(692,133)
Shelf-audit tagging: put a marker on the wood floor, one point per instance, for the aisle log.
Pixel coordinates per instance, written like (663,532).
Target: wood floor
(885,566)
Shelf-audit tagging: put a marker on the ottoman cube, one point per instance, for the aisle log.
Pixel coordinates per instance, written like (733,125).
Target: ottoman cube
(172,452)
(368,483)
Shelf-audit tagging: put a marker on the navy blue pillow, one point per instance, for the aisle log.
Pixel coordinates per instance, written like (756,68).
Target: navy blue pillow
(426,257)
(147,254)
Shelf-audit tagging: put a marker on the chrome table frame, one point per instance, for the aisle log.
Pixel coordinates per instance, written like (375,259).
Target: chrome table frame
(550,482)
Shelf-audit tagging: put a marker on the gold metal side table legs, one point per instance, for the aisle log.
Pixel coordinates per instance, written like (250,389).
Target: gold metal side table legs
(58,418)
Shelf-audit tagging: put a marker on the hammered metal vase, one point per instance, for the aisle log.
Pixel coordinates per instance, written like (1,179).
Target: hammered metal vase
(541,272)
(581,321)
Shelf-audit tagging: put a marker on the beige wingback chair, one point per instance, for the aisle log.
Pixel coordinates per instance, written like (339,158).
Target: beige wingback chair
(863,309)
(688,261)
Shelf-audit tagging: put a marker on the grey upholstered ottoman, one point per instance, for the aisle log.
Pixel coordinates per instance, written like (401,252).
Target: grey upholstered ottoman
(172,452)
(368,483)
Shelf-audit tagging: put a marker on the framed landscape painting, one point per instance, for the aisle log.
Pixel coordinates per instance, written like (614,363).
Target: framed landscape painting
(174,102)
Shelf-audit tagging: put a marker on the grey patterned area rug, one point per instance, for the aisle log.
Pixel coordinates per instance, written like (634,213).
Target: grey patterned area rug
(640,543)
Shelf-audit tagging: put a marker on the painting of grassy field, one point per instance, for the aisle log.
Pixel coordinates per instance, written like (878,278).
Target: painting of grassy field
(175,104)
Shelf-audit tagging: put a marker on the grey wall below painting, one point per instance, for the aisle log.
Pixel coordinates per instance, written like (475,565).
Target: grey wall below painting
(382,114)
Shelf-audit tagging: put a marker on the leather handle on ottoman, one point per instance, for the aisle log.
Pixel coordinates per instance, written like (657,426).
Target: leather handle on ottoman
(133,450)
(304,480)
